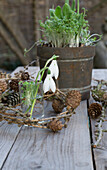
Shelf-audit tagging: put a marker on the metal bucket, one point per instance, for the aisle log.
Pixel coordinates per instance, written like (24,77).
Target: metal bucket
(75,66)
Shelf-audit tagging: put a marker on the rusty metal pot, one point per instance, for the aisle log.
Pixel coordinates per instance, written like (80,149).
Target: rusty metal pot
(75,66)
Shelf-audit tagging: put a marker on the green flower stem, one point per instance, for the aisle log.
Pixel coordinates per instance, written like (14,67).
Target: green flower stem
(34,101)
(26,51)
(28,109)
(40,73)
(78,6)
(43,70)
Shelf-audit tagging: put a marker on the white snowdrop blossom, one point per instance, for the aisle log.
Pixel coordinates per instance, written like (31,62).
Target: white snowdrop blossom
(49,84)
(54,69)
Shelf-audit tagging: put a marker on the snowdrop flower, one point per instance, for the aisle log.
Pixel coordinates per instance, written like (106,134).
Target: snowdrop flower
(49,84)
(77,41)
(54,69)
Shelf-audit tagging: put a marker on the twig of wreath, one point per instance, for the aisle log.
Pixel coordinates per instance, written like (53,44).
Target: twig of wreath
(98,110)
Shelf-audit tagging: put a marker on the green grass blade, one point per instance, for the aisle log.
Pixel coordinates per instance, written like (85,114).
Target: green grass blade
(58,12)
(78,6)
(73,6)
(66,10)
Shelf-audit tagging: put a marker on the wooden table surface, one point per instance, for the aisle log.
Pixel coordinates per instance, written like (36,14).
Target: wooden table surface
(27,148)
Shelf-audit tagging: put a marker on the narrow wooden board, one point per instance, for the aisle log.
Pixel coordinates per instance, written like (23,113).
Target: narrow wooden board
(68,149)
(100,155)
(8,135)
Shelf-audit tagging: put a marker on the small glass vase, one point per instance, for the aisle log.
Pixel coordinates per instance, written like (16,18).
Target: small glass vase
(27,90)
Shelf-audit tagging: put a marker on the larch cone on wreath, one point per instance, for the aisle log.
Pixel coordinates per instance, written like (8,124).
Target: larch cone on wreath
(57,105)
(55,125)
(95,110)
(25,76)
(73,99)
(14,85)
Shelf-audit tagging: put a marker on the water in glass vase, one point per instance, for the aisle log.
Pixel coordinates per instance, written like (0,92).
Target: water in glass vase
(27,91)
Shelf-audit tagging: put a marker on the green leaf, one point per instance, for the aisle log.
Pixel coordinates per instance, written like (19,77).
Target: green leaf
(42,24)
(67,1)
(73,5)
(66,10)
(52,12)
(58,12)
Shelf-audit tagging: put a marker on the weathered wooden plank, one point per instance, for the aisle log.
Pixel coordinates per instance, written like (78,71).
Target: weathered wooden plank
(42,149)
(21,30)
(8,135)
(99,74)
(100,155)
(12,45)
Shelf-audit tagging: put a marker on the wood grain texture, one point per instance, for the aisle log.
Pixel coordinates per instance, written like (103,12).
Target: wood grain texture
(1,123)
(42,149)
(8,135)
(100,155)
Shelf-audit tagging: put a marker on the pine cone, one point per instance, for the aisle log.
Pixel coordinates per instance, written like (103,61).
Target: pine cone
(11,99)
(55,125)
(14,85)
(57,105)
(25,76)
(95,110)
(73,99)
(3,85)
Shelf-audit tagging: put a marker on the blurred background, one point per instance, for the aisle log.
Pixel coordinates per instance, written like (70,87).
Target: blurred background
(19,29)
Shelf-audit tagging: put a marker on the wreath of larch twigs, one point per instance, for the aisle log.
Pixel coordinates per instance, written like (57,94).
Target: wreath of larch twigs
(14,114)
